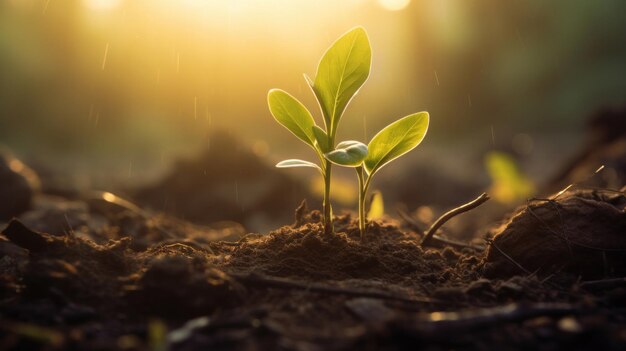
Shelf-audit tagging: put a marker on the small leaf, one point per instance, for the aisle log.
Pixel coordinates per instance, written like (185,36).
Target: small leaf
(291,114)
(377,206)
(341,72)
(291,163)
(322,139)
(348,153)
(395,140)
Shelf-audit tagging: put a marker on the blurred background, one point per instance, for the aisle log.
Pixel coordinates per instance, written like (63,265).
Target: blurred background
(109,92)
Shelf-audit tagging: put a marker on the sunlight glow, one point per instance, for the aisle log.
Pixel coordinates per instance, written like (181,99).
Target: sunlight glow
(394,5)
(102,5)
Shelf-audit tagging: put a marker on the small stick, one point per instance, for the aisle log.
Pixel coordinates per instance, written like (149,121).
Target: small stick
(456,244)
(428,237)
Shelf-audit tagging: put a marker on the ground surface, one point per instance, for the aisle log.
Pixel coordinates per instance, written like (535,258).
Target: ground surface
(157,284)
(93,271)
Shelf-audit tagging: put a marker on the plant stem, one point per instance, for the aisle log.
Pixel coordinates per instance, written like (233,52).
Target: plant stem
(328,211)
(363,185)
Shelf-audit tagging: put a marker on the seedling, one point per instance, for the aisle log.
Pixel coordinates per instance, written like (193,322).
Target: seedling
(344,68)
(340,73)
(393,141)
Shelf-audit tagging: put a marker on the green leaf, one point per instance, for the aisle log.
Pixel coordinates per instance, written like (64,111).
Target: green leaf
(291,163)
(377,206)
(395,140)
(291,114)
(348,153)
(341,72)
(323,142)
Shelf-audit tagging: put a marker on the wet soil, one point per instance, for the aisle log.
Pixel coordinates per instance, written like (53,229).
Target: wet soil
(296,288)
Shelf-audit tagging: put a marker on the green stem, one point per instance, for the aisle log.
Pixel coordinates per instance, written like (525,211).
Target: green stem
(328,211)
(363,185)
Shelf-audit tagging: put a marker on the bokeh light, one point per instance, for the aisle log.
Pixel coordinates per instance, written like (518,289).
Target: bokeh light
(394,5)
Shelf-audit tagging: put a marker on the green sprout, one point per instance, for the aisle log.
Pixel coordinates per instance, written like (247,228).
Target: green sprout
(341,72)
(344,68)
(393,141)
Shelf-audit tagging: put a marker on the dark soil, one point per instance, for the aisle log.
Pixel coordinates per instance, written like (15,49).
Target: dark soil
(298,289)
(582,232)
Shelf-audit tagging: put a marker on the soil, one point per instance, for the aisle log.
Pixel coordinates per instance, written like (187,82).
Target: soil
(296,288)
(582,232)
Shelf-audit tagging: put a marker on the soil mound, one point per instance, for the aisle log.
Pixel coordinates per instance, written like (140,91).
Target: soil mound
(582,232)
(226,182)
(305,252)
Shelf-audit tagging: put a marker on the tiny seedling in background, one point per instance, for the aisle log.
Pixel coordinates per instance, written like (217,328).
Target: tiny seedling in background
(508,183)
(341,72)
(393,141)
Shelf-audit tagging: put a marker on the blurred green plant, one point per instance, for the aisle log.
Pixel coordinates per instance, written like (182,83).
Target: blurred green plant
(341,72)
(508,183)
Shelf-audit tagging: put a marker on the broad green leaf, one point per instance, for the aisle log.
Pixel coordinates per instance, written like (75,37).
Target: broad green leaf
(322,139)
(341,72)
(318,98)
(377,206)
(291,114)
(291,163)
(395,140)
(348,153)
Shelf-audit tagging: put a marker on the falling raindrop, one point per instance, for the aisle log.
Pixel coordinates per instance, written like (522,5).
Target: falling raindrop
(437,78)
(106,53)
(493,137)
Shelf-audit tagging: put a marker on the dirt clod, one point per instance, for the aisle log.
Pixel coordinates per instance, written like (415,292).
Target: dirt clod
(581,232)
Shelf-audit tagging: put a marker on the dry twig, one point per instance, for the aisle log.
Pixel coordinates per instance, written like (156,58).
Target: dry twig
(428,237)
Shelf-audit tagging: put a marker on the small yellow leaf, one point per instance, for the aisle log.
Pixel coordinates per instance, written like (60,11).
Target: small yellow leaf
(377,206)
(508,183)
